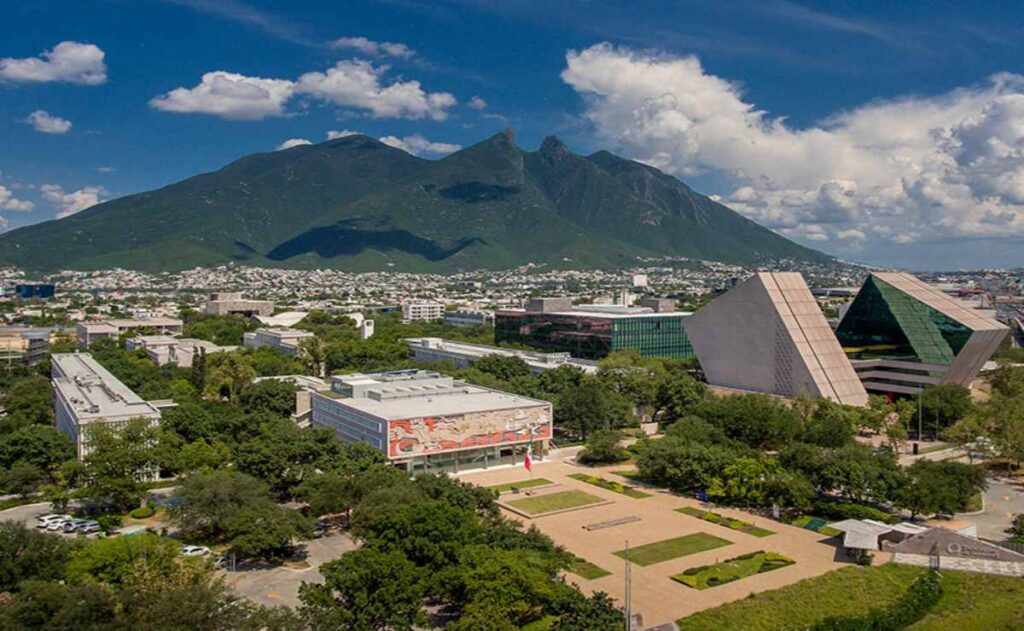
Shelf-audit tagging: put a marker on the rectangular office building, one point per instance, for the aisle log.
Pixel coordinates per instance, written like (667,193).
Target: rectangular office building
(594,331)
(426,422)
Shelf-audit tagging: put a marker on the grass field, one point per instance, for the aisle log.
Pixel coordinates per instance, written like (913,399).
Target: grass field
(540,504)
(520,484)
(722,520)
(732,570)
(609,485)
(586,569)
(659,551)
(970,601)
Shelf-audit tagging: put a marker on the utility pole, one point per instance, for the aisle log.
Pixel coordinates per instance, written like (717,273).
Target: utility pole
(629,589)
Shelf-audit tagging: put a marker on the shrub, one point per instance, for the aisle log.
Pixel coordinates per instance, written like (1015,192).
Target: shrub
(851,510)
(142,512)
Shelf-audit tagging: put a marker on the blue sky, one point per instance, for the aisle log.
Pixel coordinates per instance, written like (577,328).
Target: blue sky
(890,133)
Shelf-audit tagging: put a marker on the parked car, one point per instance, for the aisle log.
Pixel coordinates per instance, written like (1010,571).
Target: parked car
(57,525)
(195,551)
(43,521)
(88,527)
(72,525)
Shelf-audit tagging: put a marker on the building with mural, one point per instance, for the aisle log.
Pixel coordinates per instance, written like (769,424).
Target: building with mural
(424,421)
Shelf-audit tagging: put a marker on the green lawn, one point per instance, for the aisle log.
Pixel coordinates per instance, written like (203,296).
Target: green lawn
(817,524)
(722,520)
(609,485)
(540,504)
(970,601)
(734,569)
(673,548)
(520,484)
(629,474)
(586,569)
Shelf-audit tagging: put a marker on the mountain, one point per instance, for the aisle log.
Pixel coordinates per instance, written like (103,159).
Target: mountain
(355,203)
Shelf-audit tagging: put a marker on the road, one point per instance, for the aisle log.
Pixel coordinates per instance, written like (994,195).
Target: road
(1003,500)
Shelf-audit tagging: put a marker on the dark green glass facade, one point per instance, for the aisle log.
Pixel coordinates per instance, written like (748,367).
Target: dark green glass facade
(884,322)
(594,336)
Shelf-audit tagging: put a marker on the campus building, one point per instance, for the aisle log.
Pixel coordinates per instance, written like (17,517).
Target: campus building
(33,291)
(427,422)
(593,331)
(463,354)
(422,310)
(232,303)
(89,332)
(469,317)
(769,335)
(87,394)
(903,335)
(23,345)
(285,340)
(177,351)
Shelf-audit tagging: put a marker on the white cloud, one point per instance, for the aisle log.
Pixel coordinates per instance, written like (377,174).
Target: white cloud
(9,202)
(477,103)
(374,49)
(229,95)
(357,84)
(70,203)
(71,62)
(416,144)
(44,122)
(293,142)
(898,171)
(336,133)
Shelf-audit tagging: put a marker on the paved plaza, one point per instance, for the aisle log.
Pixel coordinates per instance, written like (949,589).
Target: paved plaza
(655,594)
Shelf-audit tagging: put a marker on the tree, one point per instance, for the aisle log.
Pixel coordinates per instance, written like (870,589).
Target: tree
(110,560)
(596,613)
(603,448)
(26,554)
(965,433)
(38,445)
(944,404)
(197,376)
(677,395)
(269,395)
(23,479)
(28,401)
(326,494)
(503,367)
(366,590)
(189,420)
(750,482)
(683,466)
(118,458)
(933,487)
(312,354)
(265,529)
(590,406)
(231,372)
(759,421)
(831,425)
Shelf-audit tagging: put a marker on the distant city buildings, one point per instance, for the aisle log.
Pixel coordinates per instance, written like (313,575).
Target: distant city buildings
(593,331)
(232,303)
(463,355)
(33,291)
(92,330)
(426,422)
(286,341)
(422,310)
(87,394)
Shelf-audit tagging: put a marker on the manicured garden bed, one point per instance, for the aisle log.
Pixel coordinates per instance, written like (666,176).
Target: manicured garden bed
(817,524)
(552,502)
(586,569)
(520,484)
(668,549)
(706,576)
(722,520)
(609,485)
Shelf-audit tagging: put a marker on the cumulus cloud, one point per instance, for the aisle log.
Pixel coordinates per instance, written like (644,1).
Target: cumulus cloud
(43,121)
(293,142)
(417,144)
(358,84)
(9,202)
(69,203)
(229,95)
(340,133)
(352,84)
(477,103)
(899,171)
(374,49)
(70,62)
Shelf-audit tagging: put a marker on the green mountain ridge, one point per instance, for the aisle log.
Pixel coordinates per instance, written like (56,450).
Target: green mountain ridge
(355,203)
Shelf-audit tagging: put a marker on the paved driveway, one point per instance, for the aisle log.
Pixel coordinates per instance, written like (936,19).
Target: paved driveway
(1003,500)
(280,585)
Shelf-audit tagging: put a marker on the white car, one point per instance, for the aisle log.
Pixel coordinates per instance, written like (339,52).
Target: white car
(57,525)
(195,551)
(44,521)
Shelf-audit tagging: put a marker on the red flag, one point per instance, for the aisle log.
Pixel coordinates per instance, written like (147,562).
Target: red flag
(528,463)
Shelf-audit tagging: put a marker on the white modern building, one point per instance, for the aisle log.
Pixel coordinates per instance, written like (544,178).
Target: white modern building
(469,317)
(89,332)
(232,303)
(366,329)
(285,340)
(178,351)
(427,422)
(87,394)
(422,310)
(463,355)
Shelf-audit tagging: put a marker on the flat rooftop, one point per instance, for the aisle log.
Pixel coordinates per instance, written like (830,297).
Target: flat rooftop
(606,311)
(477,351)
(409,394)
(93,392)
